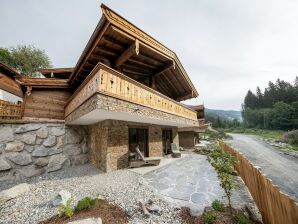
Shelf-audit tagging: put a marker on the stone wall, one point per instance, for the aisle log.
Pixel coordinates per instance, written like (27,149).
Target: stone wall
(28,150)
(187,139)
(109,143)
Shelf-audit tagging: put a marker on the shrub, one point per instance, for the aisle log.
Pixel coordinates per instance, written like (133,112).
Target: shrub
(217,205)
(65,210)
(209,217)
(86,203)
(240,218)
(291,137)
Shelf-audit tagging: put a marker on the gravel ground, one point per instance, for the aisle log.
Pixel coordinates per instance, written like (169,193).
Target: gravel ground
(122,187)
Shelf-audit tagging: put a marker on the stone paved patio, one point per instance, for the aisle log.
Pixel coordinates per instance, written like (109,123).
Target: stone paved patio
(191,182)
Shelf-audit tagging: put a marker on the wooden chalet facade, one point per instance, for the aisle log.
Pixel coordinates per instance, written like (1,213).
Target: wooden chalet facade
(125,88)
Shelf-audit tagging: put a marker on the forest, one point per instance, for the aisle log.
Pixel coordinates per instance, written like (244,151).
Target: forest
(275,108)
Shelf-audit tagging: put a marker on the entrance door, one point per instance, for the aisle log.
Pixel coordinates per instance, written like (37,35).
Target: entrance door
(167,139)
(139,137)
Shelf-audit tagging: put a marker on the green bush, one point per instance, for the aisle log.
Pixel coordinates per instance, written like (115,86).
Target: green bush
(86,203)
(240,218)
(65,210)
(209,217)
(217,205)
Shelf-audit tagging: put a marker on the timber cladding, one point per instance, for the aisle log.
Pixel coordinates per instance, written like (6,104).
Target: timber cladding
(275,206)
(10,85)
(46,104)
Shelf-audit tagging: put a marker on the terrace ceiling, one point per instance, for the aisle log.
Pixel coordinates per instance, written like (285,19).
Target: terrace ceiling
(124,47)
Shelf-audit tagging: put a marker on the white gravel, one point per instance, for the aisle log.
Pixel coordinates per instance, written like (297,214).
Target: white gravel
(123,187)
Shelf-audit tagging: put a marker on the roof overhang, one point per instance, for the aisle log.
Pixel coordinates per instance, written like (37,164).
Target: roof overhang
(44,83)
(61,73)
(122,46)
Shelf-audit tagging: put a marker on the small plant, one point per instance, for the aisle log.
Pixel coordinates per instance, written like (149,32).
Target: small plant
(209,217)
(240,218)
(65,210)
(223,163)
(217,205)
(86,203)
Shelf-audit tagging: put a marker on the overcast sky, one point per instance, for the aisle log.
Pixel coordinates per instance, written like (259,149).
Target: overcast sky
(226,46)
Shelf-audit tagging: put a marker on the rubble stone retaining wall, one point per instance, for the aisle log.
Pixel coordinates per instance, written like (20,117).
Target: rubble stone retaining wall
(28,150)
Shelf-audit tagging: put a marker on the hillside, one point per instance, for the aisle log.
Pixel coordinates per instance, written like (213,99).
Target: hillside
(223,114)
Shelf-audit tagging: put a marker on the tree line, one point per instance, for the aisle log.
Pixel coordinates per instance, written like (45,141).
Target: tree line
(275,108)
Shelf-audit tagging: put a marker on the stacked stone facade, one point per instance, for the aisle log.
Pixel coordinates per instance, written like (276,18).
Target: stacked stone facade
(109,143)
(28,150)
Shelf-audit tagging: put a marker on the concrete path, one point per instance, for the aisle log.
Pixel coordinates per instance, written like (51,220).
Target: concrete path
(281,169)
(191,182)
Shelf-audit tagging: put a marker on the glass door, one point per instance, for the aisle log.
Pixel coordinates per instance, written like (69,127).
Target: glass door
(139,137)
(167,140)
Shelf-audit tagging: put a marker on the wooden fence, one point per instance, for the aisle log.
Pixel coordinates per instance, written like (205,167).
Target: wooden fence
(275,206)
(10,111)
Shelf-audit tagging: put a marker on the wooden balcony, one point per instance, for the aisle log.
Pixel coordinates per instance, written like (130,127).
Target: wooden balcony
(10,111)
(201,122)
(106,81)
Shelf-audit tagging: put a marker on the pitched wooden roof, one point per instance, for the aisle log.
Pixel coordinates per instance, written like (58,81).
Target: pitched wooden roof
(44,82)
(60,73)
(9,71)
(8,82)
(122,46)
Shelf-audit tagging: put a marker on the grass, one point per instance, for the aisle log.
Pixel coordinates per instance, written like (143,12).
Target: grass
(266,134)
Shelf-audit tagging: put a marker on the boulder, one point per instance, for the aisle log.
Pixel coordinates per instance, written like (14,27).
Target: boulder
(41,162)
(50,141)
(62,197)
(20,158)
(56,162)
(79,159)
(40,152)
(14,147)
(30,171)
(6,134)
(14,192)
(28,138)
(27,127)
(4,165)
(57,131)
(42,132)
(72,150)
(93,220)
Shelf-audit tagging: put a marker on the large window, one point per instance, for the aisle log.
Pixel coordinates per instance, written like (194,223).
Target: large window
(139,137)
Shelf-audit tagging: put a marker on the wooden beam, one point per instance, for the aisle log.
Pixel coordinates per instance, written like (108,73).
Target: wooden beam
(166,68)
(134,72)
(141,63)
(132,50)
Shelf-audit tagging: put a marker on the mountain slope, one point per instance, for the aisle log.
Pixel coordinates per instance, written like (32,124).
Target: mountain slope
(224,114)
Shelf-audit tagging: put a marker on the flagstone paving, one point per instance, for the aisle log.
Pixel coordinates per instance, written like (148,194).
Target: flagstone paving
(191,182)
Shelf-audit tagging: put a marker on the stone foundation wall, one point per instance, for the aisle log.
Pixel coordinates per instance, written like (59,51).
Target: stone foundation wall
(109,143)
(28,150)
(187,139)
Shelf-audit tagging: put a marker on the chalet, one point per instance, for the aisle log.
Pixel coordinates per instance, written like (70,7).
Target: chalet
(124,91)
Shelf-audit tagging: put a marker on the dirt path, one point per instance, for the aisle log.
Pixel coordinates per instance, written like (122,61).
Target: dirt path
(281,169)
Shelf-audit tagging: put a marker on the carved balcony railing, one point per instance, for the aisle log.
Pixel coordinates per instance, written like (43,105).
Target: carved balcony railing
(107,81)
(10,111)
(201,122)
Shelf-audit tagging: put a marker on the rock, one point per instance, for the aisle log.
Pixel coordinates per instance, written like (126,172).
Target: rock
(20,158)
(41,162)
(40,152)
(50,141)
(153,208)
(30,171)
(29,148)
(72,150)
(72,137)
(208,209)
(42,132)
(28,138)
(6,134)
(2,147)
(56,162)
(14,147)
(14,192)
(26,128)
(57,131)
(62,198)
(4,165)
(53,151)
(39,141)
(195,211)
(87,221)
(79,159)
